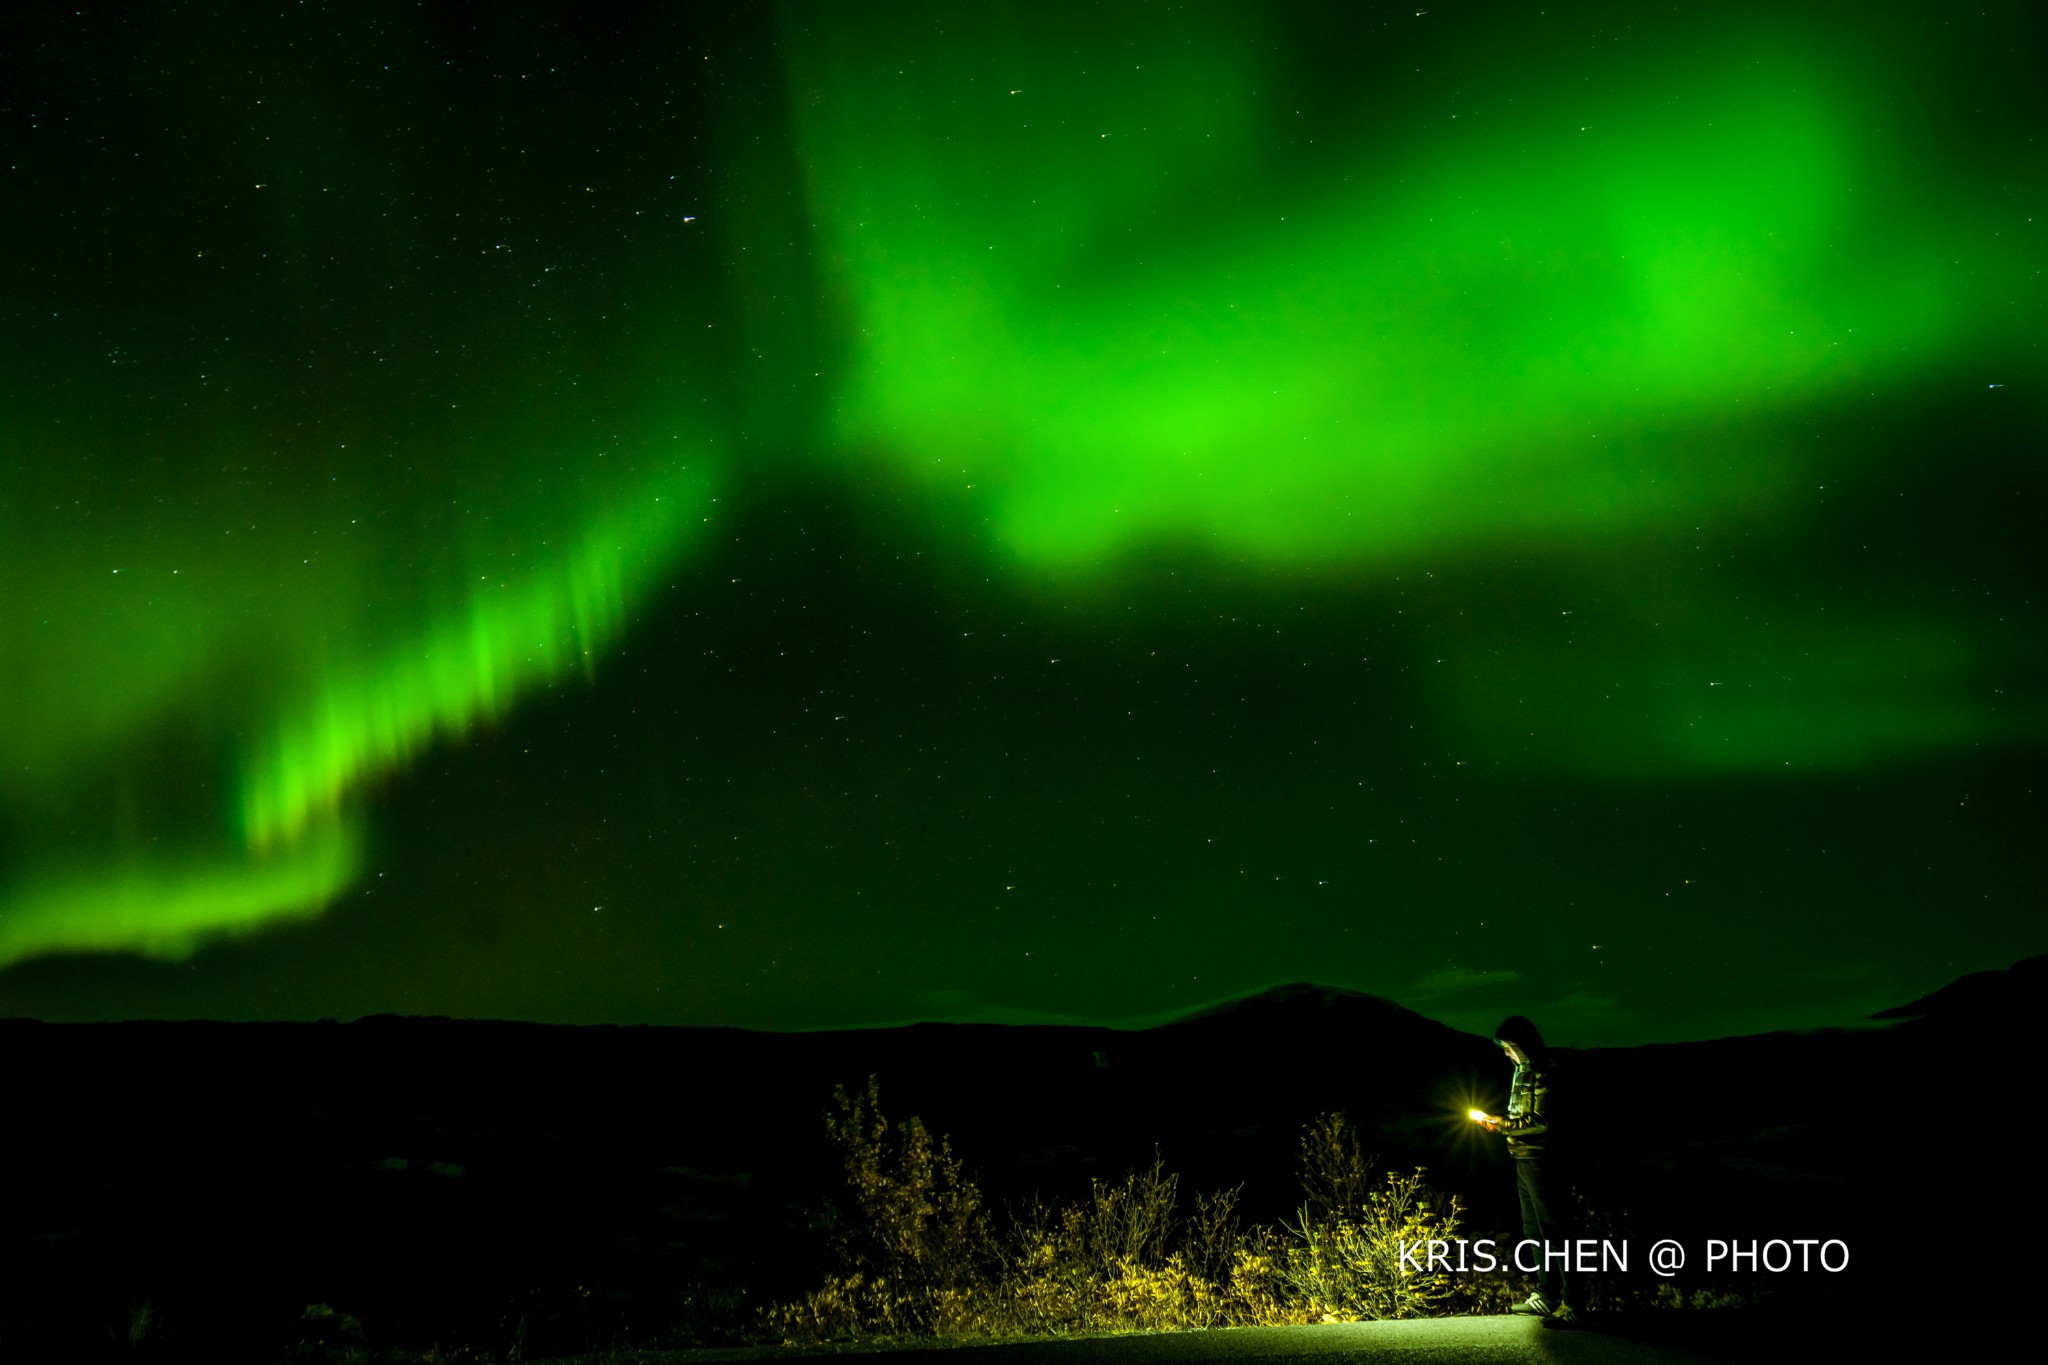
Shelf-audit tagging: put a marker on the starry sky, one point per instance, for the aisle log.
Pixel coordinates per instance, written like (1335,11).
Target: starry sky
(817,515)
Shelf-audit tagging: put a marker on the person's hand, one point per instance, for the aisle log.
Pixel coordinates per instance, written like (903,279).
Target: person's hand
(1492,1123)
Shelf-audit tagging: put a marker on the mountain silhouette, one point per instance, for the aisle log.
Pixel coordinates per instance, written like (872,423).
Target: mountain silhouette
(234,1173)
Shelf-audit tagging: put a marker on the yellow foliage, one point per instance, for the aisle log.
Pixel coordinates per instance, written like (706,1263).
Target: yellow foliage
(1348,1267)
(920,1258)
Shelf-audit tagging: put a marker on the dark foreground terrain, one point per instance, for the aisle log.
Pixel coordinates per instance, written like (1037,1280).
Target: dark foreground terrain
(484,1190)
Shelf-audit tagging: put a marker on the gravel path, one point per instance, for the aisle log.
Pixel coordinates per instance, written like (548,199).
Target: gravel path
(1473,1341)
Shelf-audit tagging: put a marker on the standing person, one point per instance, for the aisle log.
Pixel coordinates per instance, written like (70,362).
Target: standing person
(1526,1127)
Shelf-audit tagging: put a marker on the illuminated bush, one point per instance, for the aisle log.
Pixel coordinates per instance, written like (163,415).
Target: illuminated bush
(1345,1268)
(919,1247)
(919,1256)
(1125,1260)
(1343,1259)
(1336,1174)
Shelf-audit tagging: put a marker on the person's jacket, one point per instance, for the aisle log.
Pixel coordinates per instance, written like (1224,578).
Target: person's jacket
(1528,1116)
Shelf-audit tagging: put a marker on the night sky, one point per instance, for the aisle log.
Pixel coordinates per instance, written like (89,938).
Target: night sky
(836,514)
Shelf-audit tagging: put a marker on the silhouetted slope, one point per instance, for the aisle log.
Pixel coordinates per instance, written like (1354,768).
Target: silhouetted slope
(440,1177)
(1985,999)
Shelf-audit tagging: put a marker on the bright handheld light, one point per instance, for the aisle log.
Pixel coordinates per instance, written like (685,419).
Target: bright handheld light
(1479,1116)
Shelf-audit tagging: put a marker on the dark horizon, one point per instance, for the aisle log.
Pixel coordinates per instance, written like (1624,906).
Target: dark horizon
(1958,998)
(530,1191)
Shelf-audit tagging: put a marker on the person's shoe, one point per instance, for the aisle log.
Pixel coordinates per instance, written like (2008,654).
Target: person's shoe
(1562,1316)
(1535,1306)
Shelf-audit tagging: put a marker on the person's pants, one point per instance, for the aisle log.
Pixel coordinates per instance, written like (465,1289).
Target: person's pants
(1538,1225)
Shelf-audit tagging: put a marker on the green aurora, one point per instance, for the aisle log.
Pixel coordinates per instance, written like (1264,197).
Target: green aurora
(354,402)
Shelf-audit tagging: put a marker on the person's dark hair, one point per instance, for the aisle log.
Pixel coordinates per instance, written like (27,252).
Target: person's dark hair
(1523,1034)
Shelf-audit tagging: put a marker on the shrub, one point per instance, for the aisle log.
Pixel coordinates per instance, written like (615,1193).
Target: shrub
(920,1243)
(1112,1263)
(1344,1260)
(1346,1268)
(326,1337)
(919,1256)
(1336,1174)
